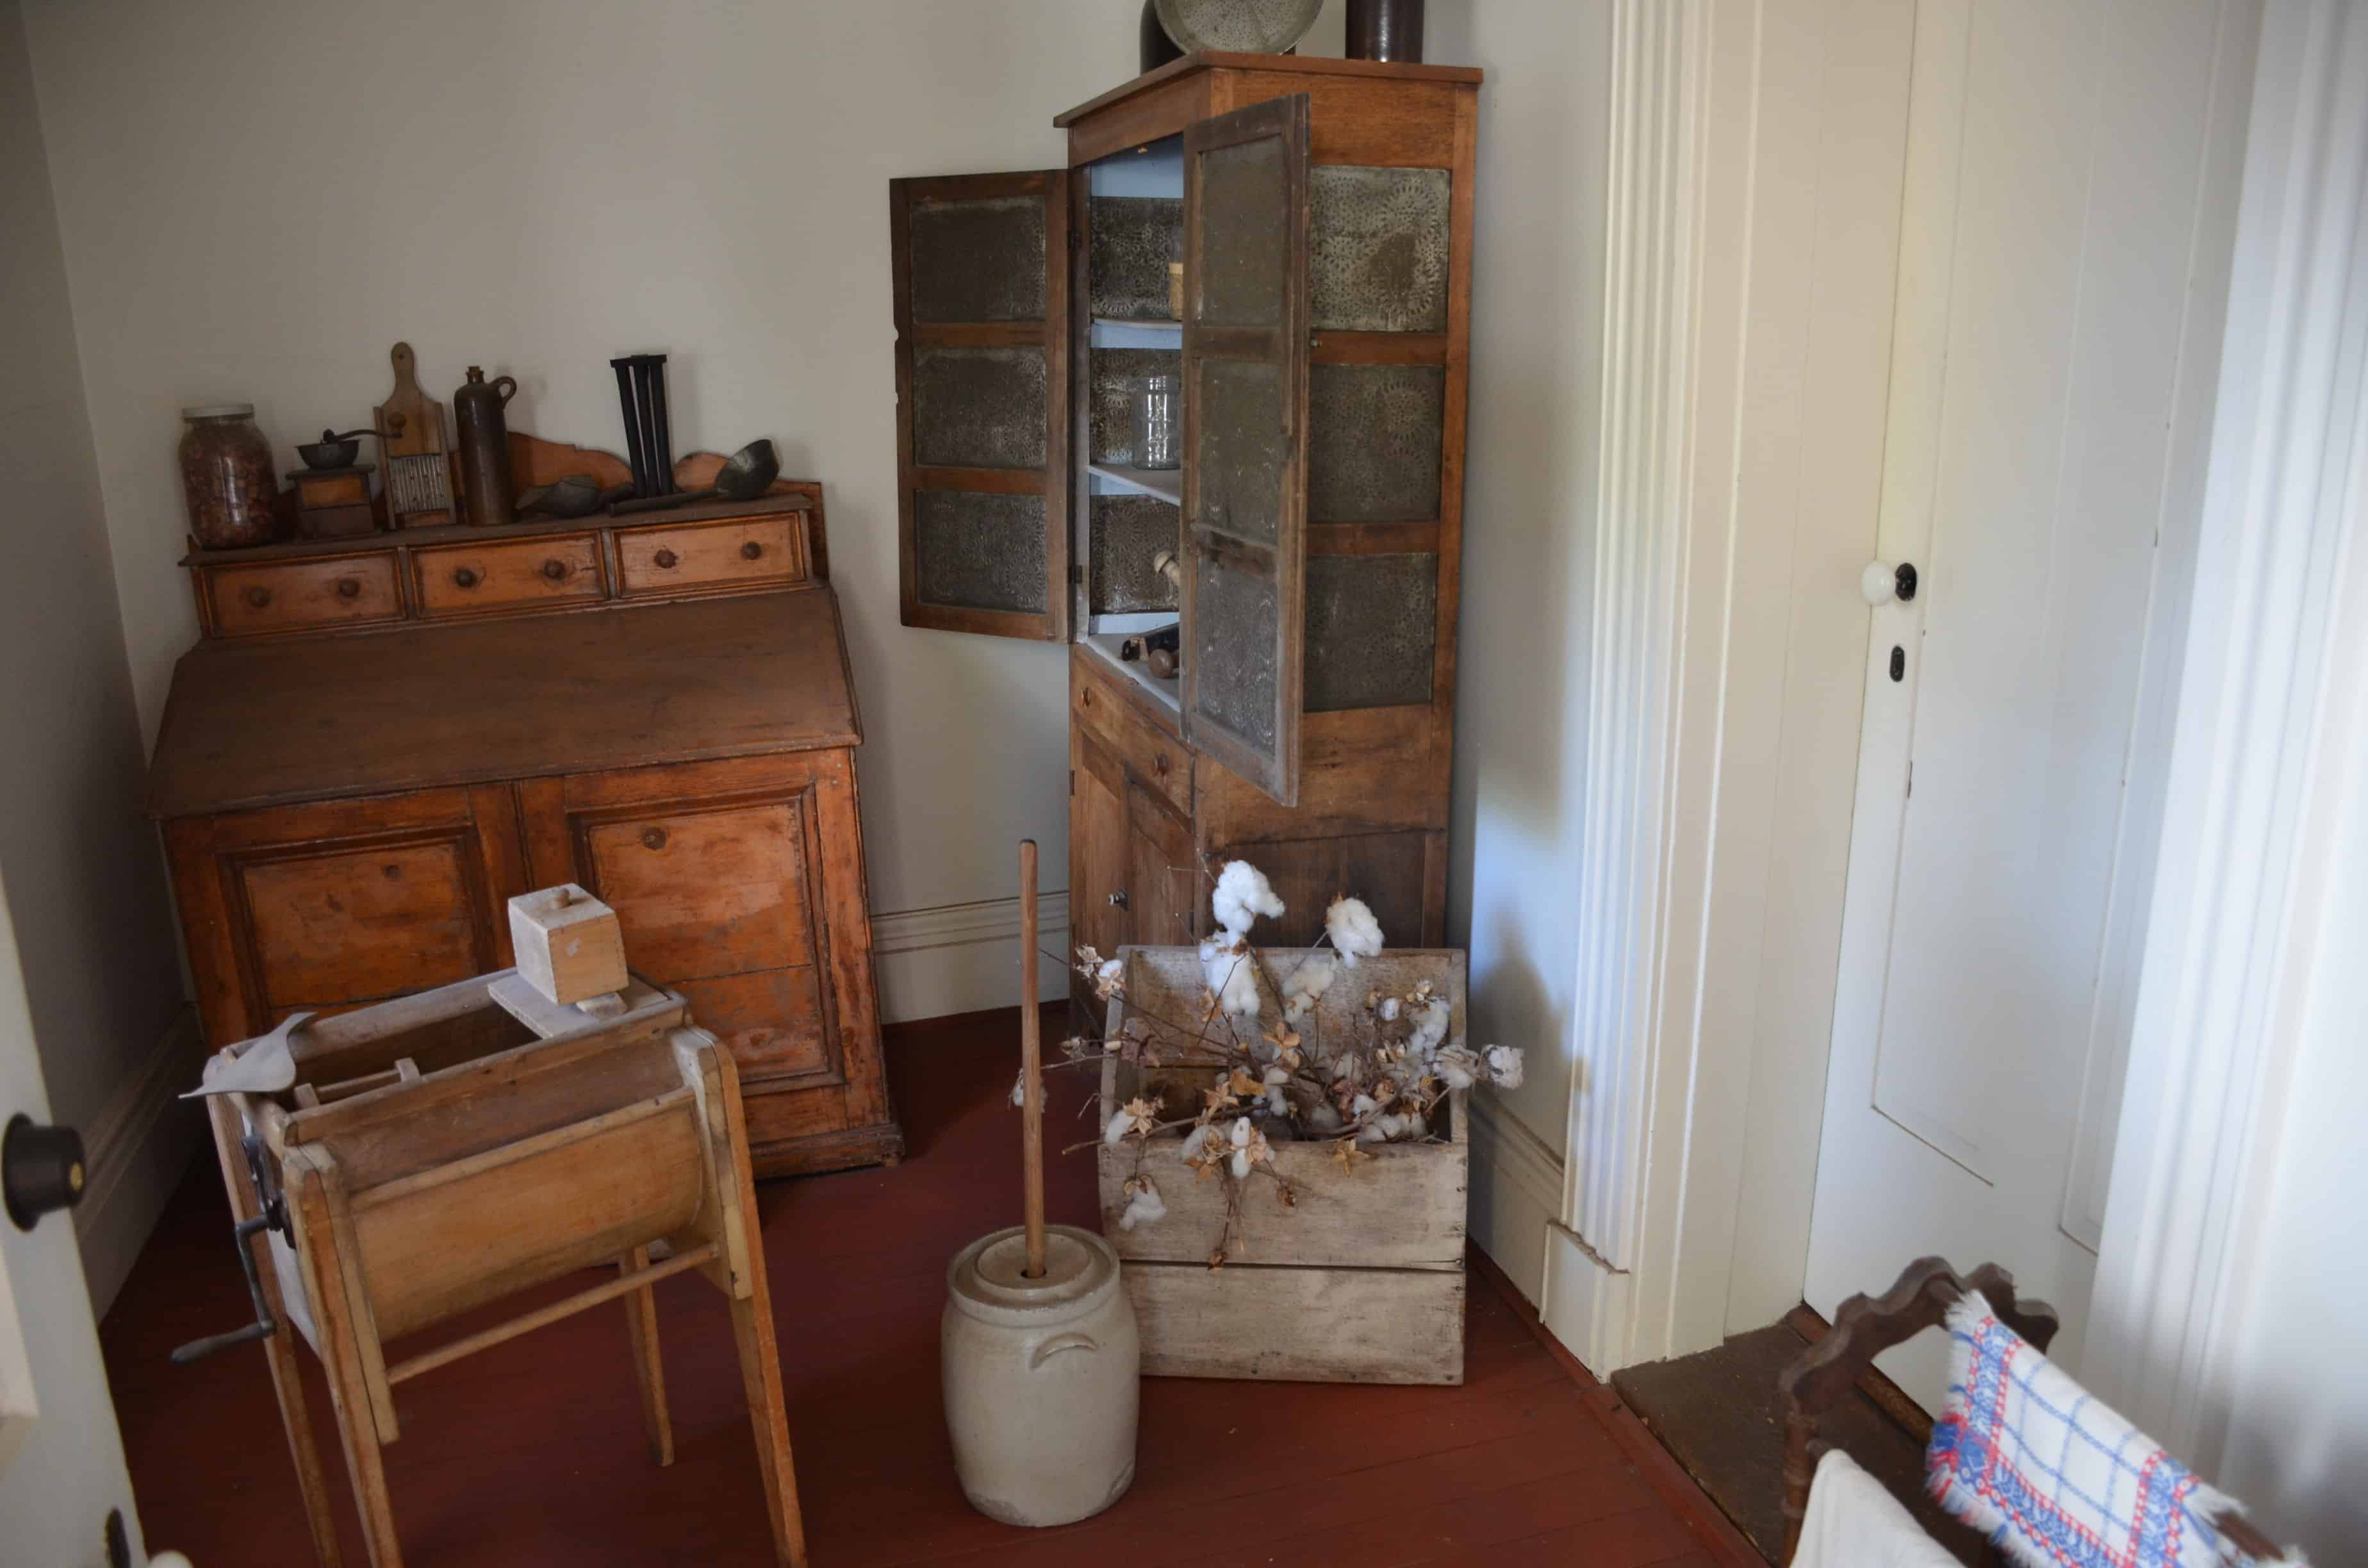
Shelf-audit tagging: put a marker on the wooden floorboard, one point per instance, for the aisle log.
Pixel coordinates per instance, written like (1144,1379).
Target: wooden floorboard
(532,1452)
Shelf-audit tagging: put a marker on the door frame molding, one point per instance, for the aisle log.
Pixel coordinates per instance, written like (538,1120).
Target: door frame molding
(2271,709)
(1752,255)
(1755,155)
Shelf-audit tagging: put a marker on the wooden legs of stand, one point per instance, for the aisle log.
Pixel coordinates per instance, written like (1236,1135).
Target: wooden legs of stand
(649,1369)
(760,1376)
(279,1350)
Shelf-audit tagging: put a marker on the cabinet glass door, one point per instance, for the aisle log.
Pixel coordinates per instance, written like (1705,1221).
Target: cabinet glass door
(1246,324)
(982,295)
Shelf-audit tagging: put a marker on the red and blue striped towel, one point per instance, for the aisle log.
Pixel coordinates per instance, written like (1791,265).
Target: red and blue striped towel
(2053,1476)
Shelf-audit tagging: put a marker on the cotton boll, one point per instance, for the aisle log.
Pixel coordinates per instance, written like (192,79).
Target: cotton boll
(1278,1075)
(1276,1103)
(1115,1133)
(1456,1067)
(1372,1135)
(1354,931)
(1019,1088)
(1415,1126)
(1389,1009)
(1304,984)
(1144,1208)
(1391,1126)
(1362,1107)
(1323,1119)
(1242,894)
(1195,1139)
(1505,1065)
(1231,973)
(1430,1027)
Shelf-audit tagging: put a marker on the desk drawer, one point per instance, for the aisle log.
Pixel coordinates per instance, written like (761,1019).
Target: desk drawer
(293,595)
(473,579)
(674,558)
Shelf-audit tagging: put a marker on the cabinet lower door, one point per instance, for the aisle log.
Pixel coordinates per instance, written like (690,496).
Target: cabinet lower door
(1098,897)
(336,904)
(740,885)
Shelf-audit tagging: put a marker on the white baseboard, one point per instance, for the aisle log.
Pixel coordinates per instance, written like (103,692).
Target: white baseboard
(136,1153)
(1516,1182)
(965,958)
(1588,1303)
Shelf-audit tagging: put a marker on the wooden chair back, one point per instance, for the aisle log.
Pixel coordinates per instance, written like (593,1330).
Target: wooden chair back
(1865,1327)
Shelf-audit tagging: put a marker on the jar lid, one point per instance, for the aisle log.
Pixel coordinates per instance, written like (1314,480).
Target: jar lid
(221,411)
(987,1278)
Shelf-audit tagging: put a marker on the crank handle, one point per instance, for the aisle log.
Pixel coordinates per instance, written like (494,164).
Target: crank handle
(199,1349)
(263,1327)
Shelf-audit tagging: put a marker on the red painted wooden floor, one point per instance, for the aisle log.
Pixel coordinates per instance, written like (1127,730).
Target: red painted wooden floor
(531,1452)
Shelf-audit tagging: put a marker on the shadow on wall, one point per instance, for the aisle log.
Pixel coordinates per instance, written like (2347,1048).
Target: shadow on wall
(1520,779)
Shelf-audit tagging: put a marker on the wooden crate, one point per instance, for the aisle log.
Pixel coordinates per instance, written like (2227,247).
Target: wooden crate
(1360,1280)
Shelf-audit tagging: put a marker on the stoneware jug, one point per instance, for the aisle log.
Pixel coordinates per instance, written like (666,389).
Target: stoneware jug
(1042,1377)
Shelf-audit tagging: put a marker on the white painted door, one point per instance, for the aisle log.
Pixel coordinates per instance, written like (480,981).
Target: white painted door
(2062,202)
(62,1470)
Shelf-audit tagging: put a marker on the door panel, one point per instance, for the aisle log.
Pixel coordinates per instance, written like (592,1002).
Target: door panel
(1246,373)
(718,897)
(331,906)
(708,892)
(1098,847)
(982,291)
(1164,882)
(2053,205)
(327,925)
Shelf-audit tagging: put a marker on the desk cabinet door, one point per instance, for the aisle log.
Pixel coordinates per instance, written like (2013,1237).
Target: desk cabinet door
(329,906)
(739,884)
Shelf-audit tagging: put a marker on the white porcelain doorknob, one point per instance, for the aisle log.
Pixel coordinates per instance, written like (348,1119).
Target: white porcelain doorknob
(1882,582)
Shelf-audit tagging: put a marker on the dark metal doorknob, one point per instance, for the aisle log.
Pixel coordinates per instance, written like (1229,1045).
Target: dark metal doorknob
(41,1170)
(1118,898)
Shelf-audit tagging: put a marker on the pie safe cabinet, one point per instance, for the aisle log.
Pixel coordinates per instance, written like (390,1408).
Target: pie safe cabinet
(1322,211)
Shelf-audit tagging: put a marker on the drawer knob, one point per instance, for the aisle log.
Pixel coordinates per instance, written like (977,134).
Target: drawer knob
(349,587)
(555,569)
(1118,898)
(466,576)
(751,551)
(665,560)
(1084,699)
(1159,765)
(258,596)
(654,838)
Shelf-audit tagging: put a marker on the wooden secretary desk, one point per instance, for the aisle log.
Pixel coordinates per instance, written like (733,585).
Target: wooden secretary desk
(382,739)
(1322,209)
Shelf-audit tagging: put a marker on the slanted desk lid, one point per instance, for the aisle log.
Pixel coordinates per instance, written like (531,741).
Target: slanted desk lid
(277,720)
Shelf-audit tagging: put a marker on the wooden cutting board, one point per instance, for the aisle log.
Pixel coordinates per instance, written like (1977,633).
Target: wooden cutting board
(419,486)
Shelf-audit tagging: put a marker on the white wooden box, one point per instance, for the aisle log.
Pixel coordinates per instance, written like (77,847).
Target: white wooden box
(1362,1281)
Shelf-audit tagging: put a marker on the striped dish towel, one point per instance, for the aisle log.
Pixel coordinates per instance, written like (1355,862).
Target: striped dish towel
(2054,1477)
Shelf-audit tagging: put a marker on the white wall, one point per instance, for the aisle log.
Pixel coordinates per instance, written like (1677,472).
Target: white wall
(85,882)
(1530,482)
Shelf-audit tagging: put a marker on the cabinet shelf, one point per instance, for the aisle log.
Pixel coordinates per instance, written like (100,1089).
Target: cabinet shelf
(1168,484)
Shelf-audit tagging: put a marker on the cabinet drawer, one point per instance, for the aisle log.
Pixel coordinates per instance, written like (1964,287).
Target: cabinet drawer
(293,594)
(1152,755)
(471,579)
(677,558)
